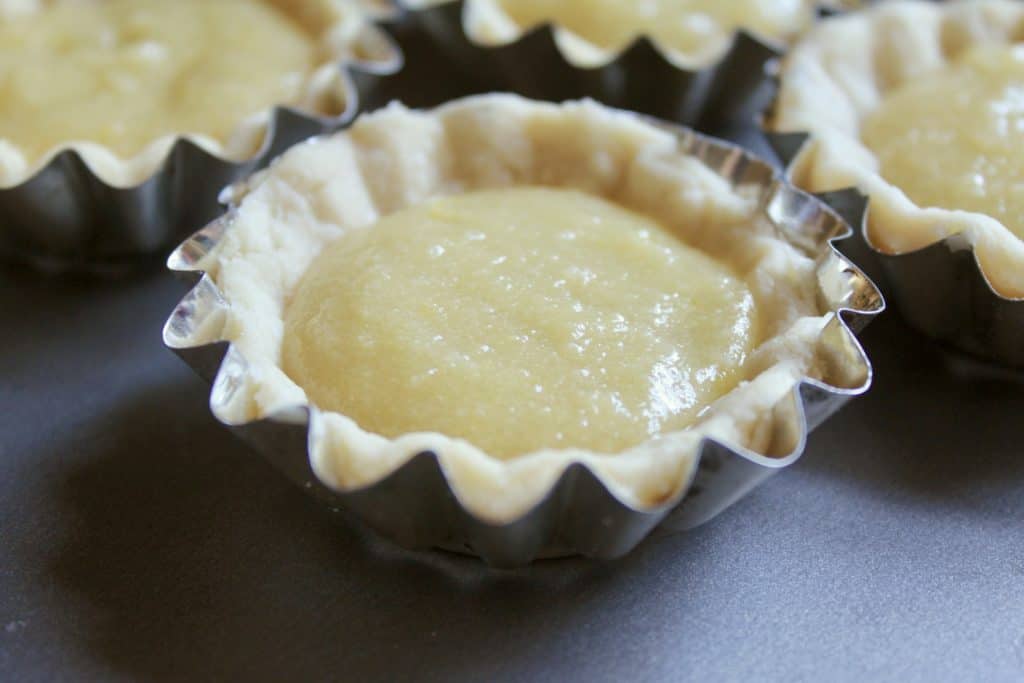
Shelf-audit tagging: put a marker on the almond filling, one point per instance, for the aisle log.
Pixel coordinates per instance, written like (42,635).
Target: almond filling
(952,138)
(518,319)
(123,73)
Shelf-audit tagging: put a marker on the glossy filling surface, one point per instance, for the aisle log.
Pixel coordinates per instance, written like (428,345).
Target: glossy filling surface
(953,139)
(682,25)
(518,319)
(123,73)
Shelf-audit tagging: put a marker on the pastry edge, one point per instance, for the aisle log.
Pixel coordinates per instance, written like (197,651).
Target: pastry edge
(829,102)
(247,140)
(487,24)
(346,457)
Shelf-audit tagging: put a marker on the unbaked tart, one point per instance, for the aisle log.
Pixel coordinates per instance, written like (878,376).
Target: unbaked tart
(120,80)
(921,106)
(515,287)
(691,33)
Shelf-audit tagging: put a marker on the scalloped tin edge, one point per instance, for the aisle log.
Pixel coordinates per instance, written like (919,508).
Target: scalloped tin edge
(640,78)
(415,506)
(64,217)
(940,289)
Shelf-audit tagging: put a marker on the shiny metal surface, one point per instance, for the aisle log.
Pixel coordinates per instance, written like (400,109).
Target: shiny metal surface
(415,506)
(66,217)
(939,289)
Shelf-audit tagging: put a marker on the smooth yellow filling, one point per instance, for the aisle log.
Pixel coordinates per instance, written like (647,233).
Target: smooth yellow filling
(518,319)
(954,138)
(123,73)
(685,26)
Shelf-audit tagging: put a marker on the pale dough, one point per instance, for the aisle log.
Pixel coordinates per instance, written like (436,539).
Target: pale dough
(121,80)
(845,80)
(395,159)
(691,33)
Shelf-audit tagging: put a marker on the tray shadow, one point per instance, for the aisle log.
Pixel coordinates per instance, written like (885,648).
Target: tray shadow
(931,427)
(204,563)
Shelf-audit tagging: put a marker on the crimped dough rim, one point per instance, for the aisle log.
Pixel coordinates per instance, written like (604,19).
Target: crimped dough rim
(338,43)
(486,23)
(840,71)
(396,157)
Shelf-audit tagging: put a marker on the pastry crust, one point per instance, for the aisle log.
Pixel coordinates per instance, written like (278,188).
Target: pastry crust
(487,23)
(396,158)
(840,72)
(342,36)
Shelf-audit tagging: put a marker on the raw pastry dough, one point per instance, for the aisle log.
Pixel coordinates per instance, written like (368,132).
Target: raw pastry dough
(851,80)
(122,73)
(120,81)
(691,33)
(396,161)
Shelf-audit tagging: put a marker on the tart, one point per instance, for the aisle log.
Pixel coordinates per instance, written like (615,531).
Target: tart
(119,81)
(690,33)
(519,289)
(704,68)
(918,106)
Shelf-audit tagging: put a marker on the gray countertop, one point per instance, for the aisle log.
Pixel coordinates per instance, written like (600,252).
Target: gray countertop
(141,541)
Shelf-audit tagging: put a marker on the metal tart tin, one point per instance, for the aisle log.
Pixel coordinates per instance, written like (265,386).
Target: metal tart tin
(640,78)
(65,217)
(416,507)
(939,289)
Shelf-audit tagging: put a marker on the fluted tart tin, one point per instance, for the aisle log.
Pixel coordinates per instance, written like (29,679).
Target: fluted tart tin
(640,77)
(951,273)
(416,504)
(939,289)
(67,215)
